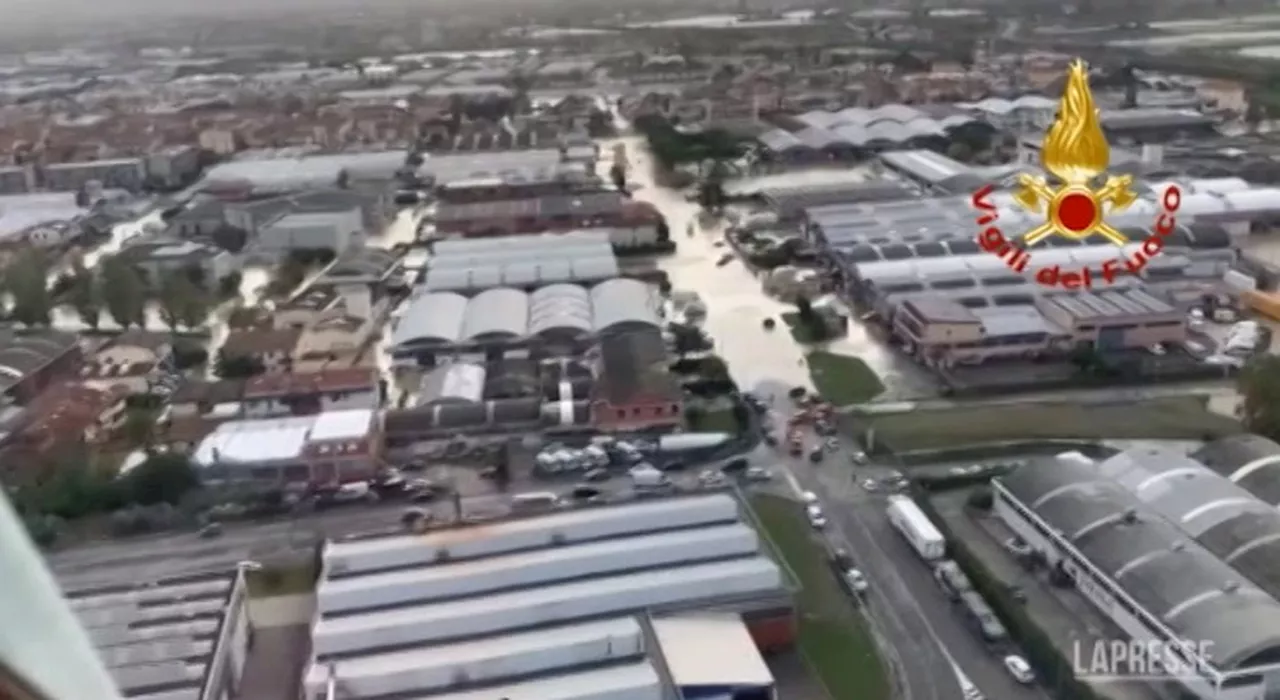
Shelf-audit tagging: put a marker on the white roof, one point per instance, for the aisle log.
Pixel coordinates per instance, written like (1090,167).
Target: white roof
(342,425)
(711,649)
(279,439)
(486,659)
(634,682)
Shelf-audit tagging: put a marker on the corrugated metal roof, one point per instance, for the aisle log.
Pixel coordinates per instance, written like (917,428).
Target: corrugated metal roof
(486,660)
(632,681)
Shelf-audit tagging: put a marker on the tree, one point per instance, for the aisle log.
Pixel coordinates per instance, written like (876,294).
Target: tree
(1259,385)
(123,293)
(960,151)
(138,428)
(162,478)
(182,302)
(687,340)
(238,366)
(804,309)
(85,296)
(618,174)
(27,280)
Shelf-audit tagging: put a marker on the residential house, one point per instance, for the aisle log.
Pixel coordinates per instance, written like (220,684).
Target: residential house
(65,416)
(31,360)
(273,347)
(305,393)
(204,263)
(136,361)
(335,339)
(634,389)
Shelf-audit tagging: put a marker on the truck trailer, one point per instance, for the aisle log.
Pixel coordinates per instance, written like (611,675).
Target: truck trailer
(914,526)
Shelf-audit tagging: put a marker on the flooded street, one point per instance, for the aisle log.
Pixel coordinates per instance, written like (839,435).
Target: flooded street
(736,305)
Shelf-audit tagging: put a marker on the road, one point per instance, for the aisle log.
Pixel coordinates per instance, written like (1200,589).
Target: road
(736,306)
(930,641)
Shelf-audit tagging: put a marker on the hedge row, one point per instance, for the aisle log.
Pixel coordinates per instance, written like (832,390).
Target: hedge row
(1053,668)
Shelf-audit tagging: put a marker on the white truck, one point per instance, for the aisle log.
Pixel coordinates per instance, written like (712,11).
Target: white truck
(914,526)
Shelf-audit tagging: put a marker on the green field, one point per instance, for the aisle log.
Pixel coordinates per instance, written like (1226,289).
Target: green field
(834,638)
(1167,418)
(843,380)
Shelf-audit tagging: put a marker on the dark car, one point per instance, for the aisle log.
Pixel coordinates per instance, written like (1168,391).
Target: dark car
(583,492)
(674,466)
(817,454)
(769,324)
(735,465)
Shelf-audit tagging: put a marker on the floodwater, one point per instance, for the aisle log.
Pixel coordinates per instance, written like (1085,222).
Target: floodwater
(736,304)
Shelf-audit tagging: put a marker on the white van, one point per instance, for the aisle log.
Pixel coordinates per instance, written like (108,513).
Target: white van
(533,501)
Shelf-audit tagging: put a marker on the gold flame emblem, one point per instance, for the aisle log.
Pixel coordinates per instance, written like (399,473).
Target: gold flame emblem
(1076,153)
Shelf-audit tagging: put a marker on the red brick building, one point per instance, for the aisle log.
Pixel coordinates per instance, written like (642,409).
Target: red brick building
(634,390)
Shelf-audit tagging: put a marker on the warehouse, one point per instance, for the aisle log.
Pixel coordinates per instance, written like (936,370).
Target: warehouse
(532,607)
(1249,461)
(791,201)
(169,640)
(825,135)
(984,280)
(1134,536)
(470,266)
(328,447)
(504,320)
(1215,201)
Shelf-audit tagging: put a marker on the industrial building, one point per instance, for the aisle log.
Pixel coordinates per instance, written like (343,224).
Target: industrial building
(325,448)
(942,332)
(554,315)
(849,132)
(1170,549)
(646,600)
(522,262)
(169,640)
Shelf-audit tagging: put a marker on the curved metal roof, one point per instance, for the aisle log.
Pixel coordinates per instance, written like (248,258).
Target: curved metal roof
(559,308)
(433,318)
(998,106)
(623,301)
(1174,579)
(1250,461)
(1233,524)
(497,312)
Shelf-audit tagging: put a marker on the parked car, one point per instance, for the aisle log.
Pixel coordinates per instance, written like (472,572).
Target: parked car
(951,579)
(758,474)
(856,580)
(817,518)
(817,454)
(739,464)
(842,560)
(1019,669)
(585,492)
